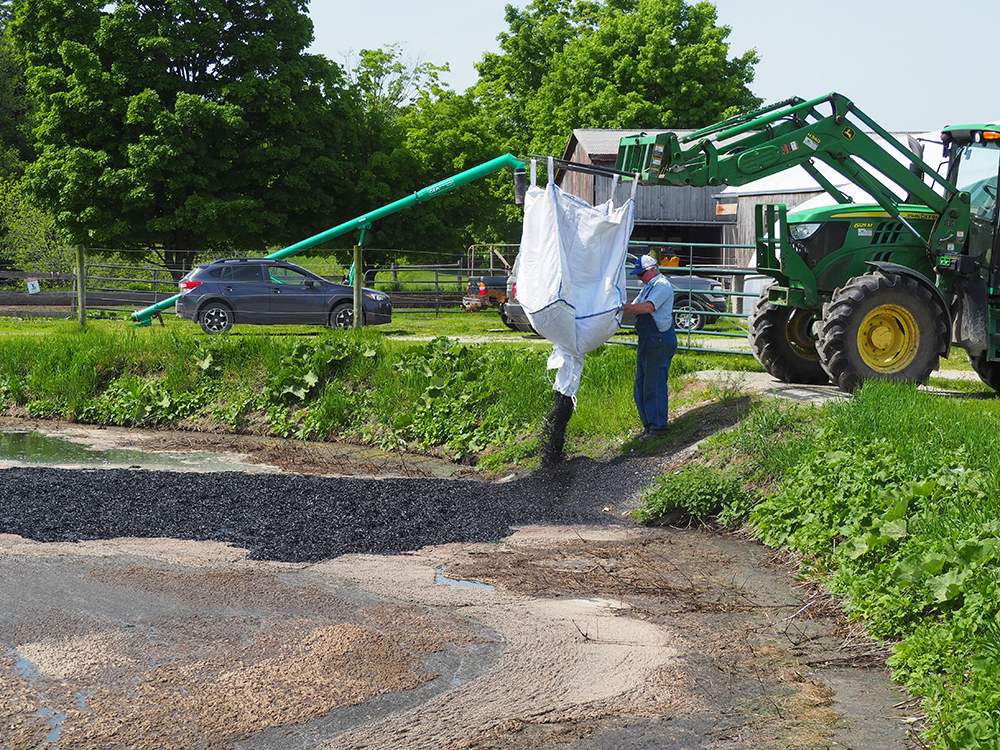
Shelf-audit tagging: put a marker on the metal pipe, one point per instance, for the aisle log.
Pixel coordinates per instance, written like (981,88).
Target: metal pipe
(427,193)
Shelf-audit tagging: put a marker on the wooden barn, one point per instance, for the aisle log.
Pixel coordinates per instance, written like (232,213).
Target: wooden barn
(680,216)
(673,216)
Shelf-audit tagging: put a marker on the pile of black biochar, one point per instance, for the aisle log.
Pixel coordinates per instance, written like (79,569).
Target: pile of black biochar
(301,518)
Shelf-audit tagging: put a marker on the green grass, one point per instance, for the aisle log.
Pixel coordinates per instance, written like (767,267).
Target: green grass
(487,399)
(892,498)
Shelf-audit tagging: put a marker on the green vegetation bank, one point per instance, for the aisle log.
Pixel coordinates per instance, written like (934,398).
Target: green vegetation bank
(890,497)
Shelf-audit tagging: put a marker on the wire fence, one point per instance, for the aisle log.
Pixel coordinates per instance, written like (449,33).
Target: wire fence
(119,289)
(701,328)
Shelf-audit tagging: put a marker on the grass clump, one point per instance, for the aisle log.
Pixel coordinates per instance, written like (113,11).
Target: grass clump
(696,491)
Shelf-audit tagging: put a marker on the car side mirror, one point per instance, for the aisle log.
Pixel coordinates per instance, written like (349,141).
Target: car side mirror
(310,283)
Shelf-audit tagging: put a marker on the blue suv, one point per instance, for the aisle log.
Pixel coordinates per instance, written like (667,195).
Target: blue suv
(265,291)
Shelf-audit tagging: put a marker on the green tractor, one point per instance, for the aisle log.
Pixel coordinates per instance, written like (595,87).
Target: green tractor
(876,291)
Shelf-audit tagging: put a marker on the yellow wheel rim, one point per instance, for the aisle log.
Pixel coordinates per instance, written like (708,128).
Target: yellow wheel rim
(888,339)
(800,333)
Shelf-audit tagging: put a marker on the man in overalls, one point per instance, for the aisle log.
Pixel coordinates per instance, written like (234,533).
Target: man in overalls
(654,322)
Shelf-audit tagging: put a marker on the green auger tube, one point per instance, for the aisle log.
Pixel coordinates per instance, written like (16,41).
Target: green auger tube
(142,317)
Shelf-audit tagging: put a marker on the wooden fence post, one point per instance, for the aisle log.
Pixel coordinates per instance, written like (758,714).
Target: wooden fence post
(81,286)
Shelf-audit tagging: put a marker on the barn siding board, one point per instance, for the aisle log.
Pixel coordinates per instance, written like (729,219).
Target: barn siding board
(659,203)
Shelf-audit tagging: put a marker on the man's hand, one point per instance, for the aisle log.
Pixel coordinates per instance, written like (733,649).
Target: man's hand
(643,308)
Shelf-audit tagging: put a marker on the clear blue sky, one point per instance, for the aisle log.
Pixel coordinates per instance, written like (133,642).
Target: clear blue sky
(911,65)
(433,31)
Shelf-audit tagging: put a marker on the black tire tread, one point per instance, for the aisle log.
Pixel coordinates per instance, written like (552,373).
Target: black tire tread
(834,345)
(769,342)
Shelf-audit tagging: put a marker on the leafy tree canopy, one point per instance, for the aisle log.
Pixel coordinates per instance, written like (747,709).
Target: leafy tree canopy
(418,131)
(569,64)
(15,111)
(185,125)
(28,237)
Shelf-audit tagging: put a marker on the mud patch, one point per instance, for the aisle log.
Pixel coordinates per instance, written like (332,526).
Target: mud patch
(597,634)
(208,658)
(762,664)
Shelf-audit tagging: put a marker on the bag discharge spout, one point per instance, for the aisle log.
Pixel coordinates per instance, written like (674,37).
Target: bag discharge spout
(571,273)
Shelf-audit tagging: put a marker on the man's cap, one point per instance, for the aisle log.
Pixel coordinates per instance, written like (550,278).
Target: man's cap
(642,263)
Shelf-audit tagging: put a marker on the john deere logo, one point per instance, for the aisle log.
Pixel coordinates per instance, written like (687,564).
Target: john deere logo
(849,134)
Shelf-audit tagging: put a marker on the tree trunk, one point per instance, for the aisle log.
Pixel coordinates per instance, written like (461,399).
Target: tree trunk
(180,254)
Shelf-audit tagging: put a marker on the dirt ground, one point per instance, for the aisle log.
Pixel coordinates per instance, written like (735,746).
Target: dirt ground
(586,636)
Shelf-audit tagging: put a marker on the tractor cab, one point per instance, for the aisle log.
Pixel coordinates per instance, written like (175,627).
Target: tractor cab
(974,164)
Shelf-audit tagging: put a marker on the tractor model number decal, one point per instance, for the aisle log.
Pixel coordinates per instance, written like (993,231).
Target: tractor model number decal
(811,141)
(849,133)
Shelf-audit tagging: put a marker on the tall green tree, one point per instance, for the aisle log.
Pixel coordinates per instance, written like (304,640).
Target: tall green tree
(15,111)
(181,126)
(29,239)
(508,80)
(660,63)
(447,133)
(568,64)
(417,132)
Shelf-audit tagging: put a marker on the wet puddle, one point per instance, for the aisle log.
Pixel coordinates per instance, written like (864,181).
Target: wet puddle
(441,578)
(29,672)
(35,449)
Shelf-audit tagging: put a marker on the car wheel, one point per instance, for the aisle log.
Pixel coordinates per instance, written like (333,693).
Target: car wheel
(215,317)
(689,316)
(505,320)
(342,316)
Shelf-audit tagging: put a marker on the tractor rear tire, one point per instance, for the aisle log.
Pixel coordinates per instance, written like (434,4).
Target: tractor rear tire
(988,372)
(881,326)
(784,342)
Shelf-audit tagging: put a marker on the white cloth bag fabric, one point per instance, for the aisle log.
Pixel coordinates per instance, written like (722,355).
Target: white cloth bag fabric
(571,274)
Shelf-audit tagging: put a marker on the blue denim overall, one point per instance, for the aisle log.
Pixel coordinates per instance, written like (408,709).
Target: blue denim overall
(654,353)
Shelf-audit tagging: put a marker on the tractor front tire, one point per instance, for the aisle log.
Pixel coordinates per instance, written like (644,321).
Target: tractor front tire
(783,340)
(881,326)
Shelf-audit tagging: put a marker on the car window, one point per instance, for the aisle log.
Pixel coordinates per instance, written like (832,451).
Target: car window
(284,275)
(241,273)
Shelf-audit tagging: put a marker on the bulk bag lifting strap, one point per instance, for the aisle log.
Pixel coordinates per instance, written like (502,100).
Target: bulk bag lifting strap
(571,273)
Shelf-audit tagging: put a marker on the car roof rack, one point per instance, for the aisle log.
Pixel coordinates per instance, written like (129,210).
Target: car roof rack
(242,260)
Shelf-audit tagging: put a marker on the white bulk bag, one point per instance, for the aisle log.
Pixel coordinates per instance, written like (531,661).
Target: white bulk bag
(571,274)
